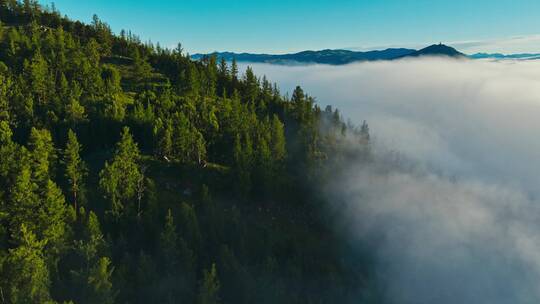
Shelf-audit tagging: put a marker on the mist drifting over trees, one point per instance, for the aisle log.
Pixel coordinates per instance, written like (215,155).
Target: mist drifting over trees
(131,173)
(450,205)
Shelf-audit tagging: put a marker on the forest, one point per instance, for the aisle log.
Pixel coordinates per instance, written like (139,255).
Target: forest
(131,173)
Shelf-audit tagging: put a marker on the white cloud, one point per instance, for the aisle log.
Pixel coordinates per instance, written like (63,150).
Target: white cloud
(470,118)
(463,226)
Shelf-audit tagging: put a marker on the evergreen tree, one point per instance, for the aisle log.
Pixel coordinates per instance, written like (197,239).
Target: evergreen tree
(223,81)
(37,71)
(23,203)
(189,144)
(243,161)
(168,243)
(26,278)
(75,112)
(75,170)
(43,155)
(278,142)
(52,220)
(165,140)
(190,226)
(234,70)
(5,86)
(364,133)
(92,244)
(209,287)
(7,154)
(251,88)
(169,258)
(119,178)
(143,69)
(264,165)
(99,281)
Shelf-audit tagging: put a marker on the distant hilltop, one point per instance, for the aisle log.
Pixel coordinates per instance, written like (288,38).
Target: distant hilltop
(437,50)
(338,57)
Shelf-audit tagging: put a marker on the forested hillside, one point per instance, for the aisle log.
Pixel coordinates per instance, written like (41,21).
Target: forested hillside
(130,173)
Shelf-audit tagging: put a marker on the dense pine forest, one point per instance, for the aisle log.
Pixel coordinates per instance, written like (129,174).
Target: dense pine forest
(130,173)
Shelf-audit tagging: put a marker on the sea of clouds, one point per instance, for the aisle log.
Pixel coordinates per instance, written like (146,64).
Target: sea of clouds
(451,205)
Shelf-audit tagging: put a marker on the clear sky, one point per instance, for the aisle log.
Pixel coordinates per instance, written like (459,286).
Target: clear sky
(279,26)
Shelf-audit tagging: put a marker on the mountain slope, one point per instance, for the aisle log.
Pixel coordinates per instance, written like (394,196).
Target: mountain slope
(134,174)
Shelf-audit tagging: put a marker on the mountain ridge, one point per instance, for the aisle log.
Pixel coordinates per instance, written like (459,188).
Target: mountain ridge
(337,56)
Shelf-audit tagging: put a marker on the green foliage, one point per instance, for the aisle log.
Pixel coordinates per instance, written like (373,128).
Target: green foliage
(43,155)
(23,202)
(209,287)
(183,125)
(168,243)
(188,144)
(52,217)
(92,244)
(7,152)
(37,72)
(243,161)
(119,178)
(75,170)
(99,281)
(26,278)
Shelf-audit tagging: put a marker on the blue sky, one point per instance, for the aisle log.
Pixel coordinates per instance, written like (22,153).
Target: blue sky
(280,26)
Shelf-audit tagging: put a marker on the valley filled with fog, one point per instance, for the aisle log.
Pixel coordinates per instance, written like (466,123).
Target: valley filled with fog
(450,205)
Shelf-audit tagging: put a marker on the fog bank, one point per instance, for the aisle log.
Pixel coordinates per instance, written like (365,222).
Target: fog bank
(463,226)
(472,118)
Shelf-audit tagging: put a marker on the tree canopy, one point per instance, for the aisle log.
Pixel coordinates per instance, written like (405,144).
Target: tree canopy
(130,173)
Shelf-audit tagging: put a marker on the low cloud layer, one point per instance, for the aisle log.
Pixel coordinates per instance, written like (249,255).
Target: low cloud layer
(453,215)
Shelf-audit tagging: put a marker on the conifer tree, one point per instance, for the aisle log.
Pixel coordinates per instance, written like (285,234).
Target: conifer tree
(26,278)
(165,140)
(37,72)
(23,203)
(119,178)
(223,69)
(251,90)
(278,142)
(7,153)
(209,287)
(190,226)
(100,283)
(142,68)
(234,70)
(5,84)
(75,112)
(52,219)
(91,245)
(168,243)
(243,161)
(43,155)
(75,170)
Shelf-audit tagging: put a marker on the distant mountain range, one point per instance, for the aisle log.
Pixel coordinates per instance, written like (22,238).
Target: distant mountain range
(525,56)
(338,57)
